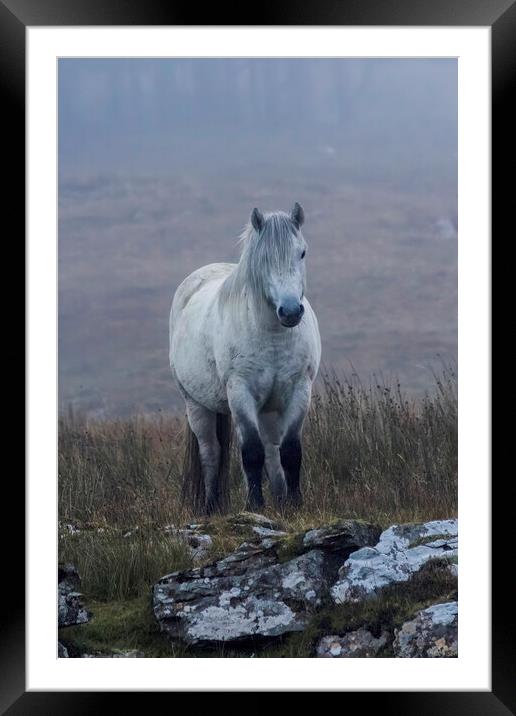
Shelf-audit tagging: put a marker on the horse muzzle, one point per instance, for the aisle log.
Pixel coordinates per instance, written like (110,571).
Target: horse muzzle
(290,313)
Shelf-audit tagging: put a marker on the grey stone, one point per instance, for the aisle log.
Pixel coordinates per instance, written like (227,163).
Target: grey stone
(198,542)
(251,524)
(356,644)
(236,598)
(255,591)
(69,527)
(70,607)
(341,536)
(133,654)
(266,532)
(62,651)
(252,519)
(432,633)
(401,552)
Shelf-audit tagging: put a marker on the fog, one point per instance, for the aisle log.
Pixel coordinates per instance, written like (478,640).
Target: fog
(161,162)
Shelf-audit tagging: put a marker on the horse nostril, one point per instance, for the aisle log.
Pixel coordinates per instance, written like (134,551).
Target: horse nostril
(281,312)
(301,309)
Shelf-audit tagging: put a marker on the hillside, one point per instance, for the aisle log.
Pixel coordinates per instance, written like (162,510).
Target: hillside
(382,273)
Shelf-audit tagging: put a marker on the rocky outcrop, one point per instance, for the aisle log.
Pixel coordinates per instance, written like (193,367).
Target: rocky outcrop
(432,633)
(401,552)
(262,590)
(276,583)
(356,644)
(70,607)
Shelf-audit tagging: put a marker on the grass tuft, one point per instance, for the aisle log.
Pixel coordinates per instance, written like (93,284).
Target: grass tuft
(112,566)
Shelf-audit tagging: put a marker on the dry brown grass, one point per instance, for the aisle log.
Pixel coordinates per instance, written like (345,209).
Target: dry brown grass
(369,452)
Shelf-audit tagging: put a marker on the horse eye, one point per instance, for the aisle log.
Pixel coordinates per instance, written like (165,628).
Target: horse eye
(303,254)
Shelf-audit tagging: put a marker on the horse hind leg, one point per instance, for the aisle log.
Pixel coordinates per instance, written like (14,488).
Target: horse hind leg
(203,423)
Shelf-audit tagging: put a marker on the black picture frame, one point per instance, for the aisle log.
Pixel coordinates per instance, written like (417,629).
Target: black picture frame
(15,17)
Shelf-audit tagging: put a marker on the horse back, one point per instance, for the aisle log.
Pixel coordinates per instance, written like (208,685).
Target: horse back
(195,282)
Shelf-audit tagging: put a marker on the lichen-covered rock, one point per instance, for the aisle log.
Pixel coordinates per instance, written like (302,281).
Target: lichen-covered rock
(432,633)
(251,525)
(453,569)
(253,592)
(133,654)
(246,594)
(244,520)
(245,525)
(267,532)
(356,644)
(401,552)
(69,528)
(342,535)
(70,608)
(198,541)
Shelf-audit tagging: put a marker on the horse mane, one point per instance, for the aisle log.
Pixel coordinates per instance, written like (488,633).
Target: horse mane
(262,254)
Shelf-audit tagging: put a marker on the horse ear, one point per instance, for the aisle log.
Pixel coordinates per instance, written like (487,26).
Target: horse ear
(297,215)
(257,220)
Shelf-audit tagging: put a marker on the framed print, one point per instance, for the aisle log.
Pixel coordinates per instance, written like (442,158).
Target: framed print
(337,346)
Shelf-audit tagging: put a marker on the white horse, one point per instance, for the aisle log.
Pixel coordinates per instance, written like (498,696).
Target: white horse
(245,345)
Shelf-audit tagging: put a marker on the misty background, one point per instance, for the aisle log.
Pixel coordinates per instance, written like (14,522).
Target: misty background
(161,162)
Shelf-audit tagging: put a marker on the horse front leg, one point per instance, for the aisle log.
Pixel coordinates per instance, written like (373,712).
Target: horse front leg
(270,430)
(291,451)
(245,419)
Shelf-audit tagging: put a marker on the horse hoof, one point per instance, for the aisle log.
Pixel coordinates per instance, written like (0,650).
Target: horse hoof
(213,507)
(255,506)
(280,502)
(294,500)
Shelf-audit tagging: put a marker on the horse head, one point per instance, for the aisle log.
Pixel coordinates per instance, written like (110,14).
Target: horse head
(276,264)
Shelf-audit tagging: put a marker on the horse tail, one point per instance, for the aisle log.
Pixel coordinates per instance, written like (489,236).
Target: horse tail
(224,438)
(193,490)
